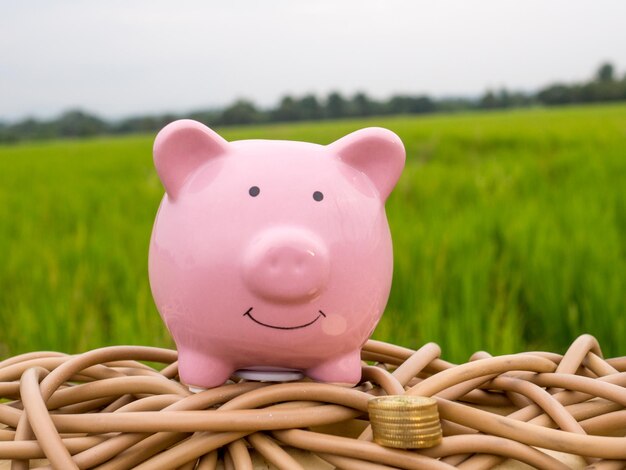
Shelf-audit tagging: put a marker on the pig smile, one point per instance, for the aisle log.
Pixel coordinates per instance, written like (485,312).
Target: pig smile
(276,327)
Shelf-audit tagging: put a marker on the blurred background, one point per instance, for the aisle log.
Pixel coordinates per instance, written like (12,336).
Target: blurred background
(509,222)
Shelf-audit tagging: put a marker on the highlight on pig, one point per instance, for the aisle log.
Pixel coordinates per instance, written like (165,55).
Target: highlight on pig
(272,259)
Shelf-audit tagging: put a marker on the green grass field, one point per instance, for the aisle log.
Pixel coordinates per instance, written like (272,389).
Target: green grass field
(509,233)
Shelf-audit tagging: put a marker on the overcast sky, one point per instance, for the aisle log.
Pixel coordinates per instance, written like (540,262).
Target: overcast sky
(122,57)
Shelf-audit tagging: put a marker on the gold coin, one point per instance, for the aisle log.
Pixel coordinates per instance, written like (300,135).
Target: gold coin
(405,422)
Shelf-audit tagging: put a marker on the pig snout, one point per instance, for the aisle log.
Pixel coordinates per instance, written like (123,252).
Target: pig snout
(286,265)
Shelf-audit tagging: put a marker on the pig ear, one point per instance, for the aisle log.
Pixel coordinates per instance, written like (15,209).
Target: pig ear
(377,152)
(181,148)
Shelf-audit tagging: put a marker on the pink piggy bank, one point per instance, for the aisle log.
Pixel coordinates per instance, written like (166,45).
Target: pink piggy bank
(272,258)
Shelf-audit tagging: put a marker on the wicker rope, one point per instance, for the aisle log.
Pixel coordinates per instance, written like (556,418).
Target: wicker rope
(105,409)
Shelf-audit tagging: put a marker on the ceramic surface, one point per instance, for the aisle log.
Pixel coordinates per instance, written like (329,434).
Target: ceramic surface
(272,255)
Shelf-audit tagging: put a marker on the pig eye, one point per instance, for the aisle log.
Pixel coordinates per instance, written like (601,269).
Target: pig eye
(318,196)
(254,191)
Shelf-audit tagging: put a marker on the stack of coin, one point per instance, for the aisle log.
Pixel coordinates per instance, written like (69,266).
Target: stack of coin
(405,422)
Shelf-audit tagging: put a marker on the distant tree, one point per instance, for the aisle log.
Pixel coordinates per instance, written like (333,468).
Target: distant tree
(33,129)
(519,99)
(336,106)
(605,73)
(397,105)
(7,134)
(287,110)
(143,124)
(604,91)
(488,100)
(76,123)
(503,98)
(556,94)
(310,108)
(241,112)
(137,124)
(421,104)
(362,106)
(208,118)
(404,104)
(448,105)
(29,128)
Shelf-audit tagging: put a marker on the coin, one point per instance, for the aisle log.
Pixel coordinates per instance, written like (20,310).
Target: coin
(405,422)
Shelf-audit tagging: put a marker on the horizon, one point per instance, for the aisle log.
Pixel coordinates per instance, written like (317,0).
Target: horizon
(321,98)
(194,56)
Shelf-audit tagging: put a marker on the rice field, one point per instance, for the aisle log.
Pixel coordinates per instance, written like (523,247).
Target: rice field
(509,233)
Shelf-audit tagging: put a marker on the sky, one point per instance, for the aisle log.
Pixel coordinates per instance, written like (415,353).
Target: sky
(118,58)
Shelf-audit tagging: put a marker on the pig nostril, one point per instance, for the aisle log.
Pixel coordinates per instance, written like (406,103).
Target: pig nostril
(274,262)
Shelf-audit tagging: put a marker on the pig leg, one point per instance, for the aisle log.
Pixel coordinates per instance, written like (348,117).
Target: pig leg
(345,369)
(201,370)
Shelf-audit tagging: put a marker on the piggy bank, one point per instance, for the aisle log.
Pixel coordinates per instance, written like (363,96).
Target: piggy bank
(272,258)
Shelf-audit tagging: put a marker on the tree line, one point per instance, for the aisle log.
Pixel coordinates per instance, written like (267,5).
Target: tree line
(604,86)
